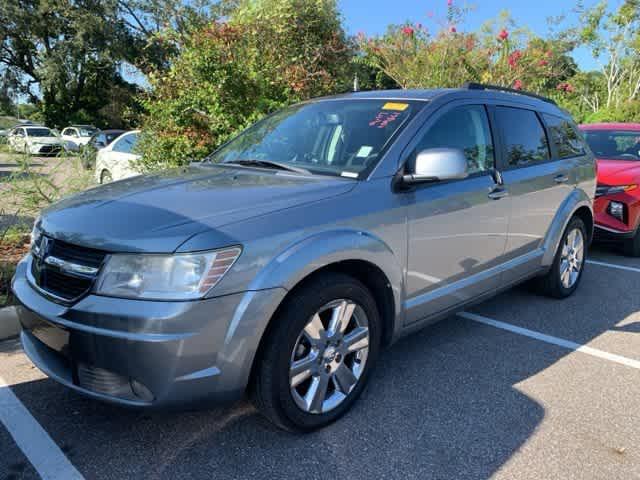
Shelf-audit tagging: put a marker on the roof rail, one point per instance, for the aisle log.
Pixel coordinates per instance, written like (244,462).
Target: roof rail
(481,86)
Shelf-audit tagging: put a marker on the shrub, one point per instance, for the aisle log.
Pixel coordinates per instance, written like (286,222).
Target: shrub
(269,53)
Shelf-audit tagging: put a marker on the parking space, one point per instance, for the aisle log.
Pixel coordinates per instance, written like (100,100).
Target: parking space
(461,399)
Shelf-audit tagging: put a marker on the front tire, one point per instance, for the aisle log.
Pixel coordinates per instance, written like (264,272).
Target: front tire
(568,265)
(105,177)
(317,359)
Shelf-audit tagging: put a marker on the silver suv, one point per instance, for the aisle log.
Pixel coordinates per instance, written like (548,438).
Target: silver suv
(284,262)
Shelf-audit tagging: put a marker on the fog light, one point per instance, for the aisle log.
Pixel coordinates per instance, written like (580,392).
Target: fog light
(616,209)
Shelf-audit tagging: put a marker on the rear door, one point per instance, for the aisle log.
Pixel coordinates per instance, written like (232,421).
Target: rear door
(538,182)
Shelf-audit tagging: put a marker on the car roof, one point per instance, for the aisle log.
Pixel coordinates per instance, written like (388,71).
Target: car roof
(633,127)
(537,103)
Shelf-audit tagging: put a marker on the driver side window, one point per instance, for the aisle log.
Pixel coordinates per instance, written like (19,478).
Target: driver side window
(466,128)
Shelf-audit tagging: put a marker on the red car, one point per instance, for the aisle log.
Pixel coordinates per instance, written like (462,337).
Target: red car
(617,204)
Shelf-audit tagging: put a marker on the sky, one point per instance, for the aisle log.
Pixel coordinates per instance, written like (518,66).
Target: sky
(373,16)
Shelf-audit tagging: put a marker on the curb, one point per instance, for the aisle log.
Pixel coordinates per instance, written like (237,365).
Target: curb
(9,325)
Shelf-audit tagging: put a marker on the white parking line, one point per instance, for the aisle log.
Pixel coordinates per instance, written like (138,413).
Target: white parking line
(35,443)
(613,265)
(594,352)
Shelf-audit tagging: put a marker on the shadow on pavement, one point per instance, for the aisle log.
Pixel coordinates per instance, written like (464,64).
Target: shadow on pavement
(440,405)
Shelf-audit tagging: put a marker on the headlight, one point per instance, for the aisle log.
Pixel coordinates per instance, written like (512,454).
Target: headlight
(35,235)
(611,190)
(165,277)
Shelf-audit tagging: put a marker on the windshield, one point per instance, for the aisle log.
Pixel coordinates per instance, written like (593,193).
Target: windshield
(86,132)
(337,137)
(614,144)
(39,132)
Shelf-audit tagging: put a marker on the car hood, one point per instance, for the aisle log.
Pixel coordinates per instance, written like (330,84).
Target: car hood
(157,213)
(618,172)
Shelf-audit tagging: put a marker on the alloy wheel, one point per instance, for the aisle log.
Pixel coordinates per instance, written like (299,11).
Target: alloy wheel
(329,356)
(571,258)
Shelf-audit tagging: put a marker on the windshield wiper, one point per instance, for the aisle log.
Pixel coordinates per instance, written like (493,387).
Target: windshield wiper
(269,164)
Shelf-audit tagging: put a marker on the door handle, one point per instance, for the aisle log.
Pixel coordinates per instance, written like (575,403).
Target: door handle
(562,178)
(498,193)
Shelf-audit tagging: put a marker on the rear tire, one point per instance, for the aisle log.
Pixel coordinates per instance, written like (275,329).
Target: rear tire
(568,264)
(316,361)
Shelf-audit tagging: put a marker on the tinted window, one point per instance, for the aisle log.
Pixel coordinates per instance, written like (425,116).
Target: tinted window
(126,144)
(614,144)
(524,138)
(39,132)
(466,128)
(565,136)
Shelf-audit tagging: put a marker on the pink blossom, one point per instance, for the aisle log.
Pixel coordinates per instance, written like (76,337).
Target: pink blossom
(503,35)
(449,3)
(408,31)
(517,85)
(452,29)
(565,87)
(543,63)
(514,57)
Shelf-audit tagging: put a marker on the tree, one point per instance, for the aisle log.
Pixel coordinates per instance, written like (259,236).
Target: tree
(67,56)
(228,74)
(614,40)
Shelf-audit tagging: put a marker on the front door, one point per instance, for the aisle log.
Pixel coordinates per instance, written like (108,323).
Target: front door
(457,230)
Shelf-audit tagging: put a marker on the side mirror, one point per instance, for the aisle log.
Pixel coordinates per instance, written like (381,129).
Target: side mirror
(438,164)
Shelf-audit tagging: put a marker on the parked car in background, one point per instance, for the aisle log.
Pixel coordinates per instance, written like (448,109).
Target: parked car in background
(114,162)
(100,139)
(617,205)
(76,136)
(35,140)
(283,264)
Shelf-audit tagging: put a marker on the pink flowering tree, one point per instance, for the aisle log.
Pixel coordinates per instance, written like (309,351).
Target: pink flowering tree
(415,56)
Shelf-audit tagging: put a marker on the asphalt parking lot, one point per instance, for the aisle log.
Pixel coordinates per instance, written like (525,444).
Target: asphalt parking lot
(524,388)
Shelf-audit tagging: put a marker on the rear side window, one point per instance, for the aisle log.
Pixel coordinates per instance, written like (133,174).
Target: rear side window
(467,128)
(564,135)
(525,141)
(126,144)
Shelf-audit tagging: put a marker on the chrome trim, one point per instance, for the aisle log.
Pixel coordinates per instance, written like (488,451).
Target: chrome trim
(72,268)
(32,282)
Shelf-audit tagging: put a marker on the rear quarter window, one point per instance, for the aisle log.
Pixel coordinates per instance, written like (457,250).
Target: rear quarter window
(565,136)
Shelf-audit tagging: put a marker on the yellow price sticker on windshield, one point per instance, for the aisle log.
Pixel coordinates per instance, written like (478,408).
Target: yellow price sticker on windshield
(399,107)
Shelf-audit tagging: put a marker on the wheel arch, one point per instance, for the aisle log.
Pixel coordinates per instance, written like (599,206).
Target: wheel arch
(367,259)
(578,204)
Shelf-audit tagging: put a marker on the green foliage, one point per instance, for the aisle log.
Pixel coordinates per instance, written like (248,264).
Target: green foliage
(269,53)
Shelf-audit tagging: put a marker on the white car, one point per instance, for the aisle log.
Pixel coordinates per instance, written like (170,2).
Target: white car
(115,161)
(77,136)
(35,140)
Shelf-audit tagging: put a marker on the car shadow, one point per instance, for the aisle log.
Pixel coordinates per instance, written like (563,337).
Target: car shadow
(441,404)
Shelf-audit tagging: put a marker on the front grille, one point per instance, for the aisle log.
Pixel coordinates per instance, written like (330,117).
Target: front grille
(61,283)
(75,254)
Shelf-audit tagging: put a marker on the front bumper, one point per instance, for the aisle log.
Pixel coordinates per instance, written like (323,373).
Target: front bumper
(608,235)
(145,353)
(45,149)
